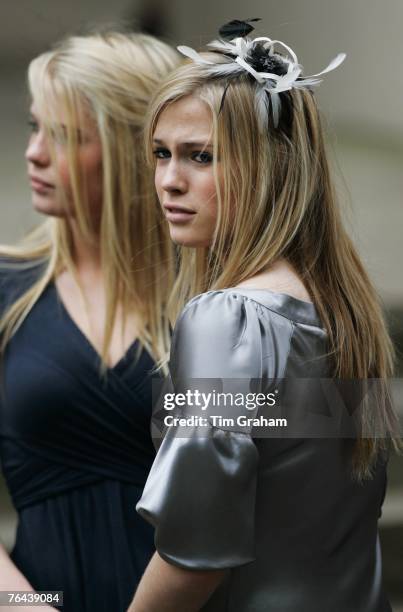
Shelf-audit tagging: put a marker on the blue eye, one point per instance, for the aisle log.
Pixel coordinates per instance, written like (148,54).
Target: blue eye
(60,136)
(33,125)
(202,157)
(161,153)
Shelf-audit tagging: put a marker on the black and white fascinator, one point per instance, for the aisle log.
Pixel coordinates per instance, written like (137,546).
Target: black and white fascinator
(272,63)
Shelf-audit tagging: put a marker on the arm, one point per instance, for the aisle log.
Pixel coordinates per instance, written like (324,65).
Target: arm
(200,493)
(166,588)
(11,579)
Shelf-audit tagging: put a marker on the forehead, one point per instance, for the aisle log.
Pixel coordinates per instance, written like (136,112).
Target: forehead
(54,111)
(185,118)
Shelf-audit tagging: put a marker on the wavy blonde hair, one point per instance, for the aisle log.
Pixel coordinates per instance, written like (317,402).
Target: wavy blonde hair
(279,184)
(111,76)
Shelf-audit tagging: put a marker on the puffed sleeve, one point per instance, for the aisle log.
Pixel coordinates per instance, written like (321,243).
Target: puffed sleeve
(200,493)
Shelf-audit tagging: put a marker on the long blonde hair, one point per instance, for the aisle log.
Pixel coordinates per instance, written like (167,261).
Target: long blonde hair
(112,76)
(279,184)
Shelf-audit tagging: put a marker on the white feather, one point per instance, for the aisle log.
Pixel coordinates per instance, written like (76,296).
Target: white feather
(241,47)
(306,82)
(287,81)
(275,107)
(263,38)
(287,48)
(262,108)
(335,63)
(193,55)
(225,69)
(222,45)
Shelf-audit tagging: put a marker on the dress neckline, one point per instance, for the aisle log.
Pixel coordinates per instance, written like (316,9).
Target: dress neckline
(91,349)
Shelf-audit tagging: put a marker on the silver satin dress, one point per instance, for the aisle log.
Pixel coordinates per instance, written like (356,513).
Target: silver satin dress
(283,514)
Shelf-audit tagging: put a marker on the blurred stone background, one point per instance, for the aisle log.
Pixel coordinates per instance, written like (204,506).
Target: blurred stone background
(361,103)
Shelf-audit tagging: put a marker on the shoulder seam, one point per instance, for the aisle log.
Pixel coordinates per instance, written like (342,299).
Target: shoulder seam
(289,347)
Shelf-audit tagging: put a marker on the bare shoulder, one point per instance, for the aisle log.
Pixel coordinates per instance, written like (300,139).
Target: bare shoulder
(281,278)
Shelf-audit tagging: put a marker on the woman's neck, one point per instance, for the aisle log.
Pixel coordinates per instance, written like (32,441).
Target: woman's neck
(86,254)
(280,277)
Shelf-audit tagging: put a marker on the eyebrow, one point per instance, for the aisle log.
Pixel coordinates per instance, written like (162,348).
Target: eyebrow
(63,126)
(191,143)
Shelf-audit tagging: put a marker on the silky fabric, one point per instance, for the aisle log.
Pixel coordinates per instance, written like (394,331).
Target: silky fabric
(296,531)
(75,451)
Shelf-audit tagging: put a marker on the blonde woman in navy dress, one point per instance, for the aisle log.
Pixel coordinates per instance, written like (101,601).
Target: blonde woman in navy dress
(82,303)
(270,288)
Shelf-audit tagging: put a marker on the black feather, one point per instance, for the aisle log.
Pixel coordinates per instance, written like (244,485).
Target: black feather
(261,61)
(236,28)
(223,97)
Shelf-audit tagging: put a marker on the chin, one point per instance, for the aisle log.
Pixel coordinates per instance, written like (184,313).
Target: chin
(50,209)
(184,237)
(47,210)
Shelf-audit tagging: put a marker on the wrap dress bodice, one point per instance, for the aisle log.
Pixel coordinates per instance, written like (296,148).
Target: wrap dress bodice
(75,452)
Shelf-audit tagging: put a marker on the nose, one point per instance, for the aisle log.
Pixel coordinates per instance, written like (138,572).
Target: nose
(37,151)
(173,177)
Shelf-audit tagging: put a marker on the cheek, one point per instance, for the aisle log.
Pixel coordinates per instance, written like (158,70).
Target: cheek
(157,182)
(95,187)
(90,165)
(63,172)
(209,196)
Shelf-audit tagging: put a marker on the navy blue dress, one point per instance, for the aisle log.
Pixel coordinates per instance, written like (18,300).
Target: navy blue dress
(75,451)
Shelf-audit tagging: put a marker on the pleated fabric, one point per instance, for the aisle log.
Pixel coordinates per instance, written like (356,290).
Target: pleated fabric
(76,450)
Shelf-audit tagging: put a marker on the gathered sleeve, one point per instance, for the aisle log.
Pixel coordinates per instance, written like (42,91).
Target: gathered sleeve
(200,493)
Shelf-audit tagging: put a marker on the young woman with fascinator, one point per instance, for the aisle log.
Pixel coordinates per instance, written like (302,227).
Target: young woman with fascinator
(82,325)
(271,294)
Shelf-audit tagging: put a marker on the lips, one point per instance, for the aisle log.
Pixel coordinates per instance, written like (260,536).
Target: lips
(39,185)
(178,214)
